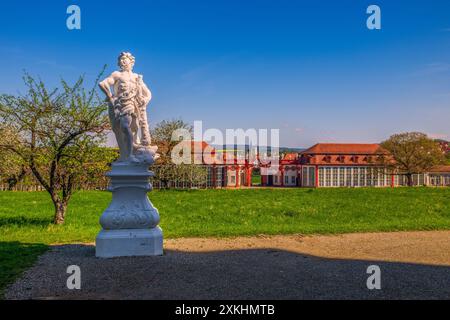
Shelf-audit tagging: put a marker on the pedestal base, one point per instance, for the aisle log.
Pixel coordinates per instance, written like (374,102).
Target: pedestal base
(129,242)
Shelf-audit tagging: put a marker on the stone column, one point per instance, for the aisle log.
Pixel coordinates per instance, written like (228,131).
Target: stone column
(130,223)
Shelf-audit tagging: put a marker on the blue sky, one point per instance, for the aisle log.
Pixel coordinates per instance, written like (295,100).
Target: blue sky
(310,68)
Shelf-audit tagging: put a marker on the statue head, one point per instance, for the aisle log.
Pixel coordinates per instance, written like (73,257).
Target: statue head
(126,61)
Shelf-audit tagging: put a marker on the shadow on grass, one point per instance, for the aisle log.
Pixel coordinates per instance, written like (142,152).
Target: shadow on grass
(233,274)
(24,221)
(16,257)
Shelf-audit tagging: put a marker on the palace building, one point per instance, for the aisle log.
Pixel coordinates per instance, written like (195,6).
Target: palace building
(332,165)
(323,165)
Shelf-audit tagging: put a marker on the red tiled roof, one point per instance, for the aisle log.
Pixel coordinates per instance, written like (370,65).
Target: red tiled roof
(290,156)
(196,146)
(444,168)
(344,148)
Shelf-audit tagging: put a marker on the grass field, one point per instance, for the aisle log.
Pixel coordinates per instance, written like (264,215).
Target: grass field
(26,229)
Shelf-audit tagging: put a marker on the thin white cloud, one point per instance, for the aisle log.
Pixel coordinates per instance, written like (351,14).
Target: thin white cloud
(441,136)
(55,64)
(433,68)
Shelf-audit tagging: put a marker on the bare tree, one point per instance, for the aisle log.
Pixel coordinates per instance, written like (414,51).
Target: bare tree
(55,133)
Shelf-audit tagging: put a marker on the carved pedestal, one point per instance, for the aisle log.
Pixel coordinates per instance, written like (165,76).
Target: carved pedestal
(130,223)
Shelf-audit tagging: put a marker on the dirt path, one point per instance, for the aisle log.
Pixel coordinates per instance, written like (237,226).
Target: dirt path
(427,247)
(414,265)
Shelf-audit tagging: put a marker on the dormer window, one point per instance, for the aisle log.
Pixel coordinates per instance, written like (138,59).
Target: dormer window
(327,159)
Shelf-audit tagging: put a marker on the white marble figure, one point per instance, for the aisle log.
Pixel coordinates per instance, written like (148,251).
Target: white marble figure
(130,222)
(128,102)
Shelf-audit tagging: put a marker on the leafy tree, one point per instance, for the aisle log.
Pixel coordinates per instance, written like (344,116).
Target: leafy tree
(97,165)
(166,171)
(445,149)
(12,168)
(55,134)
(162,137)
(412,153)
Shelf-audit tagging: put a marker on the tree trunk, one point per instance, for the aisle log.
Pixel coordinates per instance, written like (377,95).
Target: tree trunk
(409,179)
(60,211)
(12,182)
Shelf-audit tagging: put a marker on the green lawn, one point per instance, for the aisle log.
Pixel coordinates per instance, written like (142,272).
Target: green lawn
(26,229)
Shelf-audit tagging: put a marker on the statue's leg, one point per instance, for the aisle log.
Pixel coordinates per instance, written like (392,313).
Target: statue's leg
(115,126)
(125,126)
(122,145)
(143,123)
(134,130)
(120,137)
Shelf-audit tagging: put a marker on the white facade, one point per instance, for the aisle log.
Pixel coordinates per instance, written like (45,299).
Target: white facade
(346,176)
(290,178)
(439,179)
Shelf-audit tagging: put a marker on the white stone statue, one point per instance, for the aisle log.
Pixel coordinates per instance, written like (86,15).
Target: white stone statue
(128,102)
(130,223)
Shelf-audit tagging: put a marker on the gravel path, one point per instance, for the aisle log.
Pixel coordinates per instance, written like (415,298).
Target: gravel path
(414,265)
